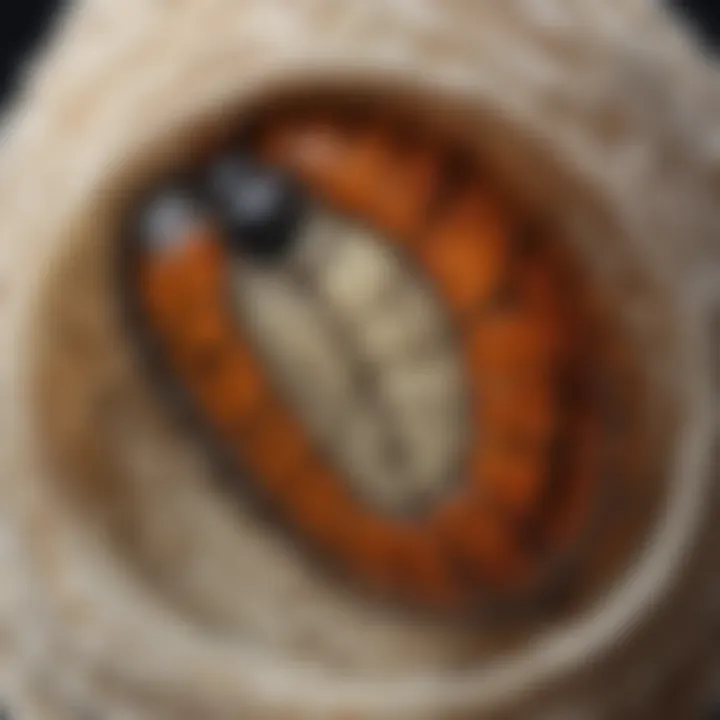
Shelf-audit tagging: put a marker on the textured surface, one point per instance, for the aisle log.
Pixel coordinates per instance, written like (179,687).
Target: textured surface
(415,398)
(97,616)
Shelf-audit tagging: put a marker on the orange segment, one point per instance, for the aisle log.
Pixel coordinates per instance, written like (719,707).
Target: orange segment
(522,412)
(400,194)
(368,176)
(322,508)
(207,326)
(515,344)
(275,451)
(466,254)
(484,546)
(233,392)
(423,574)
(315,148)
(370,555)
(182,283)
(513,481)
(192,269)
(325,158)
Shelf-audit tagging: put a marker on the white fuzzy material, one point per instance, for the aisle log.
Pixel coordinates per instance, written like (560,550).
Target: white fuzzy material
(149,599)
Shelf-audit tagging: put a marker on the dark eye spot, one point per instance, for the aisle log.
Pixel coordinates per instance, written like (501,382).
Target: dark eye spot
(259,208)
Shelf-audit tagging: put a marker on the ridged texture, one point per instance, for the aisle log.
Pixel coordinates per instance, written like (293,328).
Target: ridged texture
(111,548)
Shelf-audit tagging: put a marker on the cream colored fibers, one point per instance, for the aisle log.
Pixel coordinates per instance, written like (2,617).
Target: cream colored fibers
(129,589)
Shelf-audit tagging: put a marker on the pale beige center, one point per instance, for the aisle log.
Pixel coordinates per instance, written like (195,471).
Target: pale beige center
(363,351)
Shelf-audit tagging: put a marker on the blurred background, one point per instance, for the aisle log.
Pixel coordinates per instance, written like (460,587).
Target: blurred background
(22,25)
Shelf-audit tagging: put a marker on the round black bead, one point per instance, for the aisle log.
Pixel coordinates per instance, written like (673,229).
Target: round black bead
(260,208)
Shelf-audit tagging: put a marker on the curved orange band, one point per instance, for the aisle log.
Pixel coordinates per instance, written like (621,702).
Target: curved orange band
(517,509)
